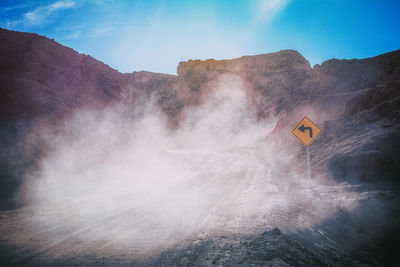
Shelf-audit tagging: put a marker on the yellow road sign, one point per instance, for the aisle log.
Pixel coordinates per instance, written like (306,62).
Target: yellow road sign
(306,131)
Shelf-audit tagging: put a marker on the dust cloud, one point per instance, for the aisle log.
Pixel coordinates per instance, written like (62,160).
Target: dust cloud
(136,182)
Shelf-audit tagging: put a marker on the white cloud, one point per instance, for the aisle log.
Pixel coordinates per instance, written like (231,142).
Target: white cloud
(100,31)
(40,14)
(268,9)
(60,5)
(73,35)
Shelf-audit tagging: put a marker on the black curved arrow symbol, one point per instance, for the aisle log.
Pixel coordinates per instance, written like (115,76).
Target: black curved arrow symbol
(302,128)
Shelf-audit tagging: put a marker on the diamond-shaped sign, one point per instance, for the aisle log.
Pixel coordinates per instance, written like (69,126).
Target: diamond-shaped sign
(306,131)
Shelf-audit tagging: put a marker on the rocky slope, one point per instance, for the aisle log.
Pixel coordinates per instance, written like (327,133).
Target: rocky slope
(43,80)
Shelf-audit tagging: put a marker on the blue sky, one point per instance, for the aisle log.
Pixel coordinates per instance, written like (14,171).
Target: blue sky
(155,35)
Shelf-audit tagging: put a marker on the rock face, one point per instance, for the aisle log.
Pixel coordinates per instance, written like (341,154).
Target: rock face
(272,80)
(374,116)
(340,76)
(40,76)
(356,102)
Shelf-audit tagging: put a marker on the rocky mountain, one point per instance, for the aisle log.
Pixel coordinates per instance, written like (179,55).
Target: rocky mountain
(356,102)
(41,79)
(272,79)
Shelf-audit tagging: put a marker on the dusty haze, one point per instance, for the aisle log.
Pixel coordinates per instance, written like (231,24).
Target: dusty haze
(220,171)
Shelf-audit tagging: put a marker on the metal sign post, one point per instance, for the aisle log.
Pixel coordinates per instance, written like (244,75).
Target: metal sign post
(306,131)
(308,162)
